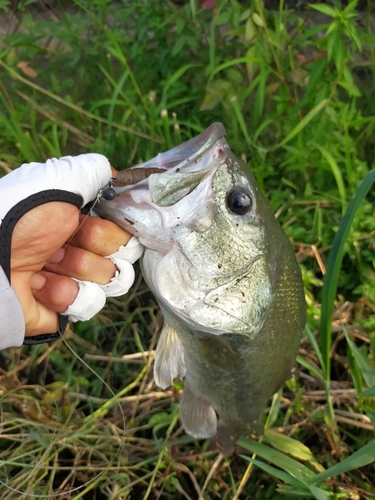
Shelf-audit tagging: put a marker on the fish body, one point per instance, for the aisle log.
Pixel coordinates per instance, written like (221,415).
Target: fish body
(226,279)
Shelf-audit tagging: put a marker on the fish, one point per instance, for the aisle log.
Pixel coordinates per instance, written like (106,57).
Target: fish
(226,279)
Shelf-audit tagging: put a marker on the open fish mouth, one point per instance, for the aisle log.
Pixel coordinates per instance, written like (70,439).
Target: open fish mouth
(185,157)
(152,199)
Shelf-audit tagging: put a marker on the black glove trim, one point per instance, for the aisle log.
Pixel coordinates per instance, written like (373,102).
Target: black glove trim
(6,233)
(48,337)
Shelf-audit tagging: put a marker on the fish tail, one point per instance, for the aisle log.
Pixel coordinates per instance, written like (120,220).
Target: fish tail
(228,432)
(226,437)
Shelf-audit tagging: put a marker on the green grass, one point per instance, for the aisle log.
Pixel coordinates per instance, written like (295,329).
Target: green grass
(294,89)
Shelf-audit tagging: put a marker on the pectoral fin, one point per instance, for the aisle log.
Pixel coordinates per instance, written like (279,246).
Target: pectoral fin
(197,415)
(169,358)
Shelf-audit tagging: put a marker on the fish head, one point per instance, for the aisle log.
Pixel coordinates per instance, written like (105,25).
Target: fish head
(208,232)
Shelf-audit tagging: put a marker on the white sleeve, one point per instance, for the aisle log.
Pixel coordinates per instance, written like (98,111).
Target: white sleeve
(12,324)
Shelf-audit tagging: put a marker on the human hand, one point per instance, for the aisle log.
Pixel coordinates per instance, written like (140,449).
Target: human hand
(53,243)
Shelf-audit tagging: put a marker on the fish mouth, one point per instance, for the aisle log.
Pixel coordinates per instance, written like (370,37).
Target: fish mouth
(184,157)
(174,188)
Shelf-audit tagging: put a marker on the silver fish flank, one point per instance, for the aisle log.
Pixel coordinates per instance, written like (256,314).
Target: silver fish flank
(226,279)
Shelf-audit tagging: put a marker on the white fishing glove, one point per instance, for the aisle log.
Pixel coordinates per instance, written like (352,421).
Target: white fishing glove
(76,180)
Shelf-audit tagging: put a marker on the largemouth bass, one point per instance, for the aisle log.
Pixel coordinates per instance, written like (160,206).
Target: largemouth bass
(226,279)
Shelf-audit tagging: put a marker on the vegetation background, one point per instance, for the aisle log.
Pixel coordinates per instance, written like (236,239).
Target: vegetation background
(293,83)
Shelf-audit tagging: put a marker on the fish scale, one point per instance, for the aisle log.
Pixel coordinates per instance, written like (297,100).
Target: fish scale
(224,274)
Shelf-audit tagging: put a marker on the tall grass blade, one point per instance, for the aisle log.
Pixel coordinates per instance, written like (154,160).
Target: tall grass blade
(277,458)
(174,78)
(354,370)
(241,121)
(364,366)
(117,52)
(360,458)
(59,99)
(274,411)
(303,123)
(318,493)
(259,98)
(314,344)
(306,364)
(336,172)
(234,62)
(369,392)
(283,476)
(301,486)
(333,268)
(291,446)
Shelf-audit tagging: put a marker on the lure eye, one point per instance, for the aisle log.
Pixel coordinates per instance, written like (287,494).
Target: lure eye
(109,193)
(239,201)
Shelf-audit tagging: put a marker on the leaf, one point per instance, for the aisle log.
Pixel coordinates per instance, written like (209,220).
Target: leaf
(350,7)
(250,30)
(277,458)
(283,476)
(316,74)
(314,344)
(180,42)
(290,446)
(257,20)
(159,418)
(250,58)
(274,411)
(349,85)
(301,486)
(368,372)
(319,494)
(259,98)
(333,268)
(336,173)
(362,457)
(324,9)
(354,370)
(302,124)
(4,5)
(215,92)
(368,392)
(371,415)
(306,364)
(176,76)
(241,120)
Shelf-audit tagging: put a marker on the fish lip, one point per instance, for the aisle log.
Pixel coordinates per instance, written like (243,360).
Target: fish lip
(186,153)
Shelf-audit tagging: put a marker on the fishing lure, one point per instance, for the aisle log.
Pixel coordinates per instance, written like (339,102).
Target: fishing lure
(128,178)
(134,175)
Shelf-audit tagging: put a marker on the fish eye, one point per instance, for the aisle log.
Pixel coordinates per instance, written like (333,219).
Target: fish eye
(239,201)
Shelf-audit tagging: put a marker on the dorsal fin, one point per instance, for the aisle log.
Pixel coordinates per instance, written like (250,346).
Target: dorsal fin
(169,358)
